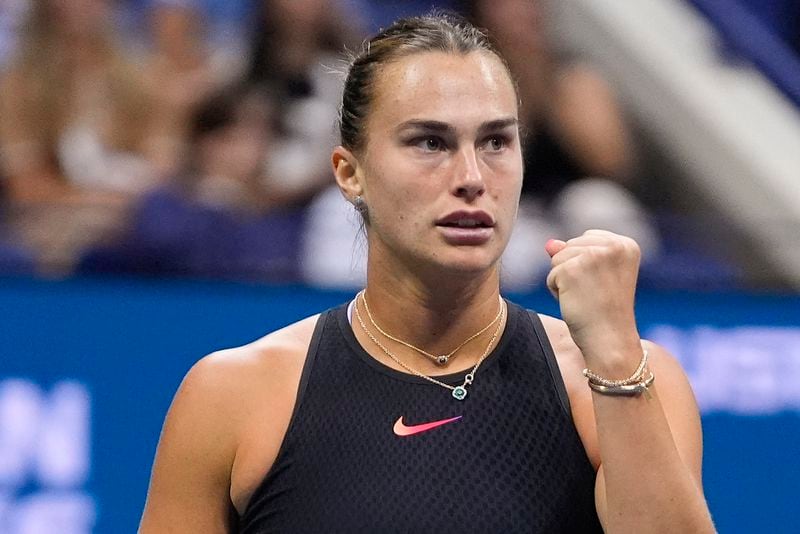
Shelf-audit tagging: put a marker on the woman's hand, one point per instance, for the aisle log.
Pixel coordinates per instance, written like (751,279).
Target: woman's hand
(594,279)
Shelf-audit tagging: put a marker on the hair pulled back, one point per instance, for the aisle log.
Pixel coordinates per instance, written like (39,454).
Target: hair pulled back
(436,32)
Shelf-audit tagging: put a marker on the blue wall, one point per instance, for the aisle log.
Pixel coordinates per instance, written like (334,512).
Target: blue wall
(113,352)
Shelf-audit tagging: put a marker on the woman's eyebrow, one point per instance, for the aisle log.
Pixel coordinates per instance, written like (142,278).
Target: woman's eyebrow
(498,124)
(443,127)
(428,125)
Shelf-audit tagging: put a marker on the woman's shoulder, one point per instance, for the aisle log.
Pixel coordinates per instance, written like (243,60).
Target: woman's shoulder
(231,403)
(266,359)
(223,391)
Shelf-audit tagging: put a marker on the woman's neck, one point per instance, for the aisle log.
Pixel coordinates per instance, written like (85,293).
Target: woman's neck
(435,314)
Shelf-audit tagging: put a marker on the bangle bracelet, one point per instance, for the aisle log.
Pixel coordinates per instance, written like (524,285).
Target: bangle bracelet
(629,390)
(635,378)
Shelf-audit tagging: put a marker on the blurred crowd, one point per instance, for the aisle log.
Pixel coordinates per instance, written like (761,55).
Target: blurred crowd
(192,137)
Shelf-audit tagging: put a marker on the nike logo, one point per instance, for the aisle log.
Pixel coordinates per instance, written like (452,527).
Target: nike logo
(402,430)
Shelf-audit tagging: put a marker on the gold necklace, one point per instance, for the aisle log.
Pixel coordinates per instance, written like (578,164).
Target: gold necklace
(458,392)
(441,359)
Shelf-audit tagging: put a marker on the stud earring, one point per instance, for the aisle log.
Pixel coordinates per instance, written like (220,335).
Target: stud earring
(360,205)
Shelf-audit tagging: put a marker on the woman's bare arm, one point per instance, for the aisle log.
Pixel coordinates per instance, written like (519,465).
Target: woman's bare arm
(648,447)
(223,432)
(189,488)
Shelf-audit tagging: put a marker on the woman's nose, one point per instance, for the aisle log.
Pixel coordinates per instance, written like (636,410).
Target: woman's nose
(469,182)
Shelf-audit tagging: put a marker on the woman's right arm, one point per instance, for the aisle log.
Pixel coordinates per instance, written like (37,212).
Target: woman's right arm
(190,484)
(233,402)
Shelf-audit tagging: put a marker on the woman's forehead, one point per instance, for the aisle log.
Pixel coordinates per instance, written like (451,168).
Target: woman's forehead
(444,86)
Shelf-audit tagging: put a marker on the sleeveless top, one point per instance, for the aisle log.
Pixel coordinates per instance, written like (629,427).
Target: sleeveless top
(507,458)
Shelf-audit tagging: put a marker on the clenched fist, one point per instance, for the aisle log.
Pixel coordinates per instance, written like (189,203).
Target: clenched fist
(594,279)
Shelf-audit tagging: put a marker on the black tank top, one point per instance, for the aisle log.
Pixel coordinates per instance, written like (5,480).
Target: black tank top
(505,459)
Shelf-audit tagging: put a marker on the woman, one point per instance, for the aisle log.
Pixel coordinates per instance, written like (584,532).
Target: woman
(429,403)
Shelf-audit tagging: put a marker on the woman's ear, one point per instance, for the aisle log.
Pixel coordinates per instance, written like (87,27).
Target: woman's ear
(345,169)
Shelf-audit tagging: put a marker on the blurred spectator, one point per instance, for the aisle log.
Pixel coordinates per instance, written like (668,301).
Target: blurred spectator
(14,258)
(73,121)
(183,67)
(12,14)
(297,44)
(218,218)
(74,111)
(578,152)
(297,48)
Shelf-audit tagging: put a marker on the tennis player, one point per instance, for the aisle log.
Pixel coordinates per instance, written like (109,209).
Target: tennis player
(429,403)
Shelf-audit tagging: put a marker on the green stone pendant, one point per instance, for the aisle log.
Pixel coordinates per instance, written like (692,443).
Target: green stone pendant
(460,392)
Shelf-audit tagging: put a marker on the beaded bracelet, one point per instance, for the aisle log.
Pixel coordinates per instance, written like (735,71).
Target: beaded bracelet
(635,378)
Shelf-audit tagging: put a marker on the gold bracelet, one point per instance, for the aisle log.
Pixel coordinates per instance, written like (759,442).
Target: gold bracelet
(630,390)
(635,378)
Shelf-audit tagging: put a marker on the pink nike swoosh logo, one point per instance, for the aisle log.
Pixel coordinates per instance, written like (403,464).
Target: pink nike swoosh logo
(402,430)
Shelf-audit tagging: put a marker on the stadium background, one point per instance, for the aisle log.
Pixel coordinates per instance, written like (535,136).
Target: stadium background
(91,353)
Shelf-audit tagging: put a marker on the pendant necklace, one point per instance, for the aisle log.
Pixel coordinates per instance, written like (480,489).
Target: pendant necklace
(458,392)
(441,359)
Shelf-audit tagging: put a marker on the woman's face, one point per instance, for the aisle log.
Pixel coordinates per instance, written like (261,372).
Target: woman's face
(441,168)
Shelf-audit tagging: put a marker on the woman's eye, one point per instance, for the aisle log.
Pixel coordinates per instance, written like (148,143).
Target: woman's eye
(429,144)
(495,143)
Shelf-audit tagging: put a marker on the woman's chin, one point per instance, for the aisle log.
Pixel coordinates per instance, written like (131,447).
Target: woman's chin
(471,263)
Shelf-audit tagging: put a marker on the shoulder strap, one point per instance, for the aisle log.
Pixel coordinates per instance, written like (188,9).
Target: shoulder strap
(311,356)
(552,363)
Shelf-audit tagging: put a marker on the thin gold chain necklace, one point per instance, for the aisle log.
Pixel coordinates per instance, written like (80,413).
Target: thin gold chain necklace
(458,392)
(441,359)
